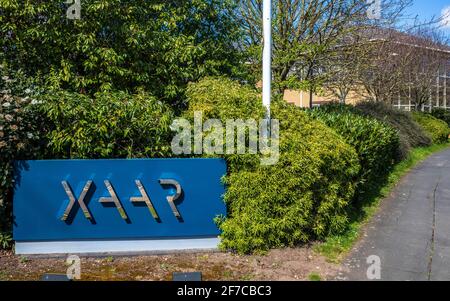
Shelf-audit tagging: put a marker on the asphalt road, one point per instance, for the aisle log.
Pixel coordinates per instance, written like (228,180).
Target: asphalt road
(411,232)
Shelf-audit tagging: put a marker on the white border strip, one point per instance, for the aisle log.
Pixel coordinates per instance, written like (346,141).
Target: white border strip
(115,246)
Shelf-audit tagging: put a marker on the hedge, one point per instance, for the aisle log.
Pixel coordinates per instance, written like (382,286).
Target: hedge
(411,134)
(442,114)
(436,128)
(304,196)
(375,142)
(224,99)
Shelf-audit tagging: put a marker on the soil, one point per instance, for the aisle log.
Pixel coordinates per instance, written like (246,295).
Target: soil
(281,264)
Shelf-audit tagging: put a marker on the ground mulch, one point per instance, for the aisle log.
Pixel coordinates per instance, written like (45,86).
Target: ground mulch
(280,264)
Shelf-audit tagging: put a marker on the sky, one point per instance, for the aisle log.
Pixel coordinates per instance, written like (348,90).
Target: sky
(426,9)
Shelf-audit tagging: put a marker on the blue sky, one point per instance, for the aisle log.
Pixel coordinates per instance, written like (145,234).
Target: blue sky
(426,9)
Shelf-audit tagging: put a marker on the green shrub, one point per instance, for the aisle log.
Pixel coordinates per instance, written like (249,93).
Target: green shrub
(436,128)
(122,45)
(5,240)
(375,142)
(441,114)
(223,99)
(20,138)
(410,133)
(111,125)
(304,196)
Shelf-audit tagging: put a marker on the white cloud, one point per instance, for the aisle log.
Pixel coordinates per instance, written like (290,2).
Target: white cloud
(446,17)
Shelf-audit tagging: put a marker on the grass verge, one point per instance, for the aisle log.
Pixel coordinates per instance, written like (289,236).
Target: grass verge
(335,247)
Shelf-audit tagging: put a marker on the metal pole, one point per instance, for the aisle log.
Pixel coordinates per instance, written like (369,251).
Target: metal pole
(267,55)
(430,96)
(409,96)
(445,91)
(446,68)
(437,89)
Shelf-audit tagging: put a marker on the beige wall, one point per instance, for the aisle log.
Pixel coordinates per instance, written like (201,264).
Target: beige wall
(301,98)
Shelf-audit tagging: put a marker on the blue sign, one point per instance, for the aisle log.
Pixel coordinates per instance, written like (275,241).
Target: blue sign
(58,200)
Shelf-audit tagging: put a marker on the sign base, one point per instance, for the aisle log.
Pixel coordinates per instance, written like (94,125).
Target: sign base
(98,247)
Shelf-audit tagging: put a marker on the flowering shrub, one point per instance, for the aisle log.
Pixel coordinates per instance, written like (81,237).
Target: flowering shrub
(19,138)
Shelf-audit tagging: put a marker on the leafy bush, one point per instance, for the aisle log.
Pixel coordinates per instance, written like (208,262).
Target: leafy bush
(375,142)
(411,134)
(441,114)
(121,45)
(110,125)
(303,196)
(223,99)
(436,128)
(20,138)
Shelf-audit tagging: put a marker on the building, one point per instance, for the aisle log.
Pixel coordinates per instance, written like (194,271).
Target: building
(425,66)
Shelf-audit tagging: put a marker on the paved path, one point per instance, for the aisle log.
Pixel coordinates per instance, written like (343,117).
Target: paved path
(411,232)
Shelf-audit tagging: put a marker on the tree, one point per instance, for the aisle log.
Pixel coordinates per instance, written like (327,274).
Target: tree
(315,41)
(430,56)
(382,74)
(342,75)
(122,45)
(404,65)
(306,36)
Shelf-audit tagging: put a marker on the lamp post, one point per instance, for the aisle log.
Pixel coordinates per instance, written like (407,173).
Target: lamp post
(267,55)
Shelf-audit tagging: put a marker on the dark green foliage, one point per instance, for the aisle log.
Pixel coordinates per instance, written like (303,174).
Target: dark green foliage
(121,44)
(110,125)
(436,128)
(375,142)
(303,196)
(411,134)
(441,114)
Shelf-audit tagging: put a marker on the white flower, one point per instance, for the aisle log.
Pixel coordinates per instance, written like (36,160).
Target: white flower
(5,78)
(27,91)
(29,135)
(6,104)
(35,102)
